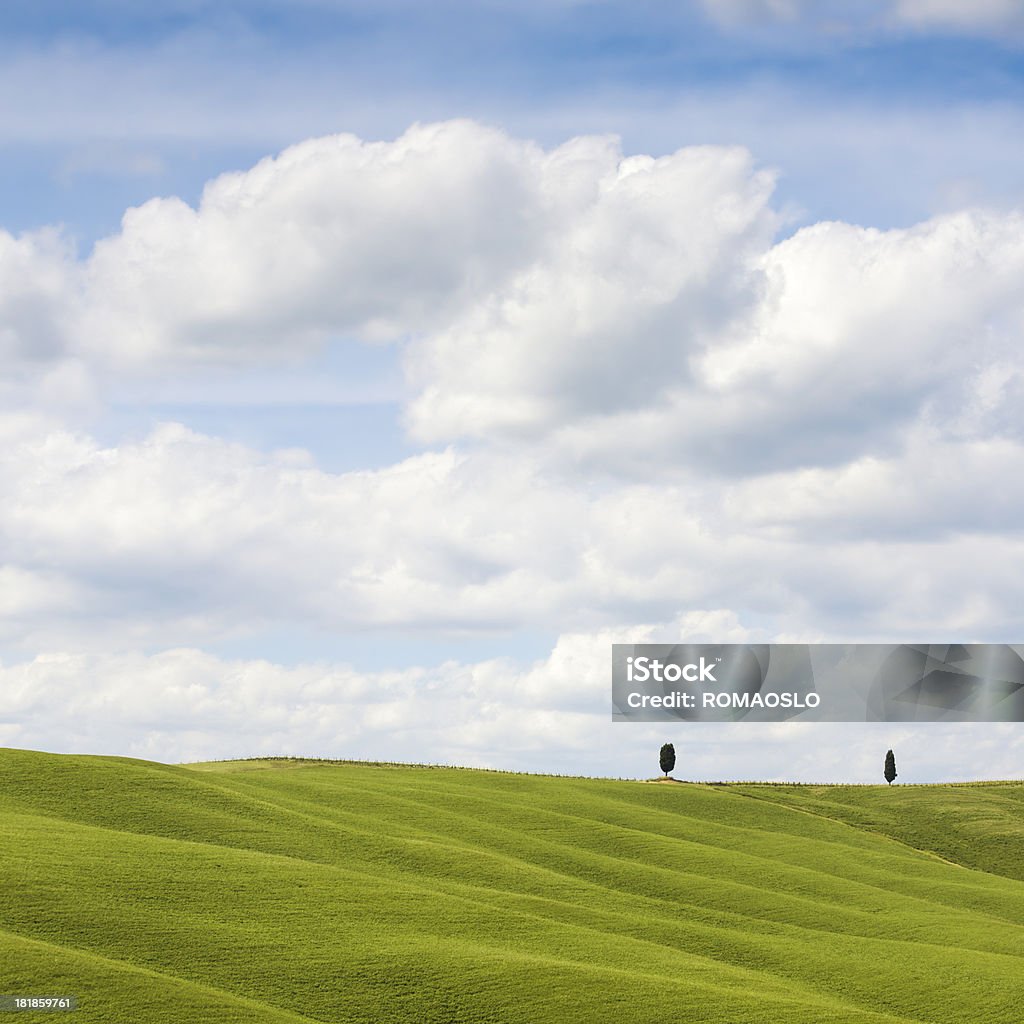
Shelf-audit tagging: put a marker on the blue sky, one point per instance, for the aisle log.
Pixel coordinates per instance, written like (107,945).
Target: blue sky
(469,446)
(121,101)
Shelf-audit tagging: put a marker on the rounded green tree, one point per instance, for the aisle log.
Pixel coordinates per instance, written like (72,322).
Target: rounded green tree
(667,758)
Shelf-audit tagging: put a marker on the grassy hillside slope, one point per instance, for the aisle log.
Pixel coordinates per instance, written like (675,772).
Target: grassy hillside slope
(273,892)
(978,825)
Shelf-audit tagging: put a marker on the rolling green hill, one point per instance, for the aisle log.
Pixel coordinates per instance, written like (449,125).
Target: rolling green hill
(300,892)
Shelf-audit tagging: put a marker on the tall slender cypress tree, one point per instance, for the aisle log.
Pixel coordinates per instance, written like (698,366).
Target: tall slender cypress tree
(667,758)
(890,767)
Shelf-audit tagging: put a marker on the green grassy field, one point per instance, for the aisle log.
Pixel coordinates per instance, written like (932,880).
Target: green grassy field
(287,892)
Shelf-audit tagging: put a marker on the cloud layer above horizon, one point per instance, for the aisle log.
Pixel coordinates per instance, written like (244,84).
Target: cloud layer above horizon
(640,400)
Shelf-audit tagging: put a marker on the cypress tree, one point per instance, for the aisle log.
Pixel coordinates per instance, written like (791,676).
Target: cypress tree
(890,767)
(667,758)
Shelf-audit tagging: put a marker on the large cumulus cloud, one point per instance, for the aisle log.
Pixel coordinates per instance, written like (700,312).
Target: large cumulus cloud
(184,538)
(855,336)
(639,397)
(333,236)
(657,266)
(626,312)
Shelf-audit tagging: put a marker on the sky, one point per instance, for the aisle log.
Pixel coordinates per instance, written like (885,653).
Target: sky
(369,369)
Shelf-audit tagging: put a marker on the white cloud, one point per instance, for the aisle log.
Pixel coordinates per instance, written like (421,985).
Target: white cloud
(828,346)
(333,236)
(518,273)
(870,17)
(628,312)
(631,290)
(37,275)
(450,232)
(182,539)
(552,716)
(185,532)
(659,408)
(978,15)
(932,491)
